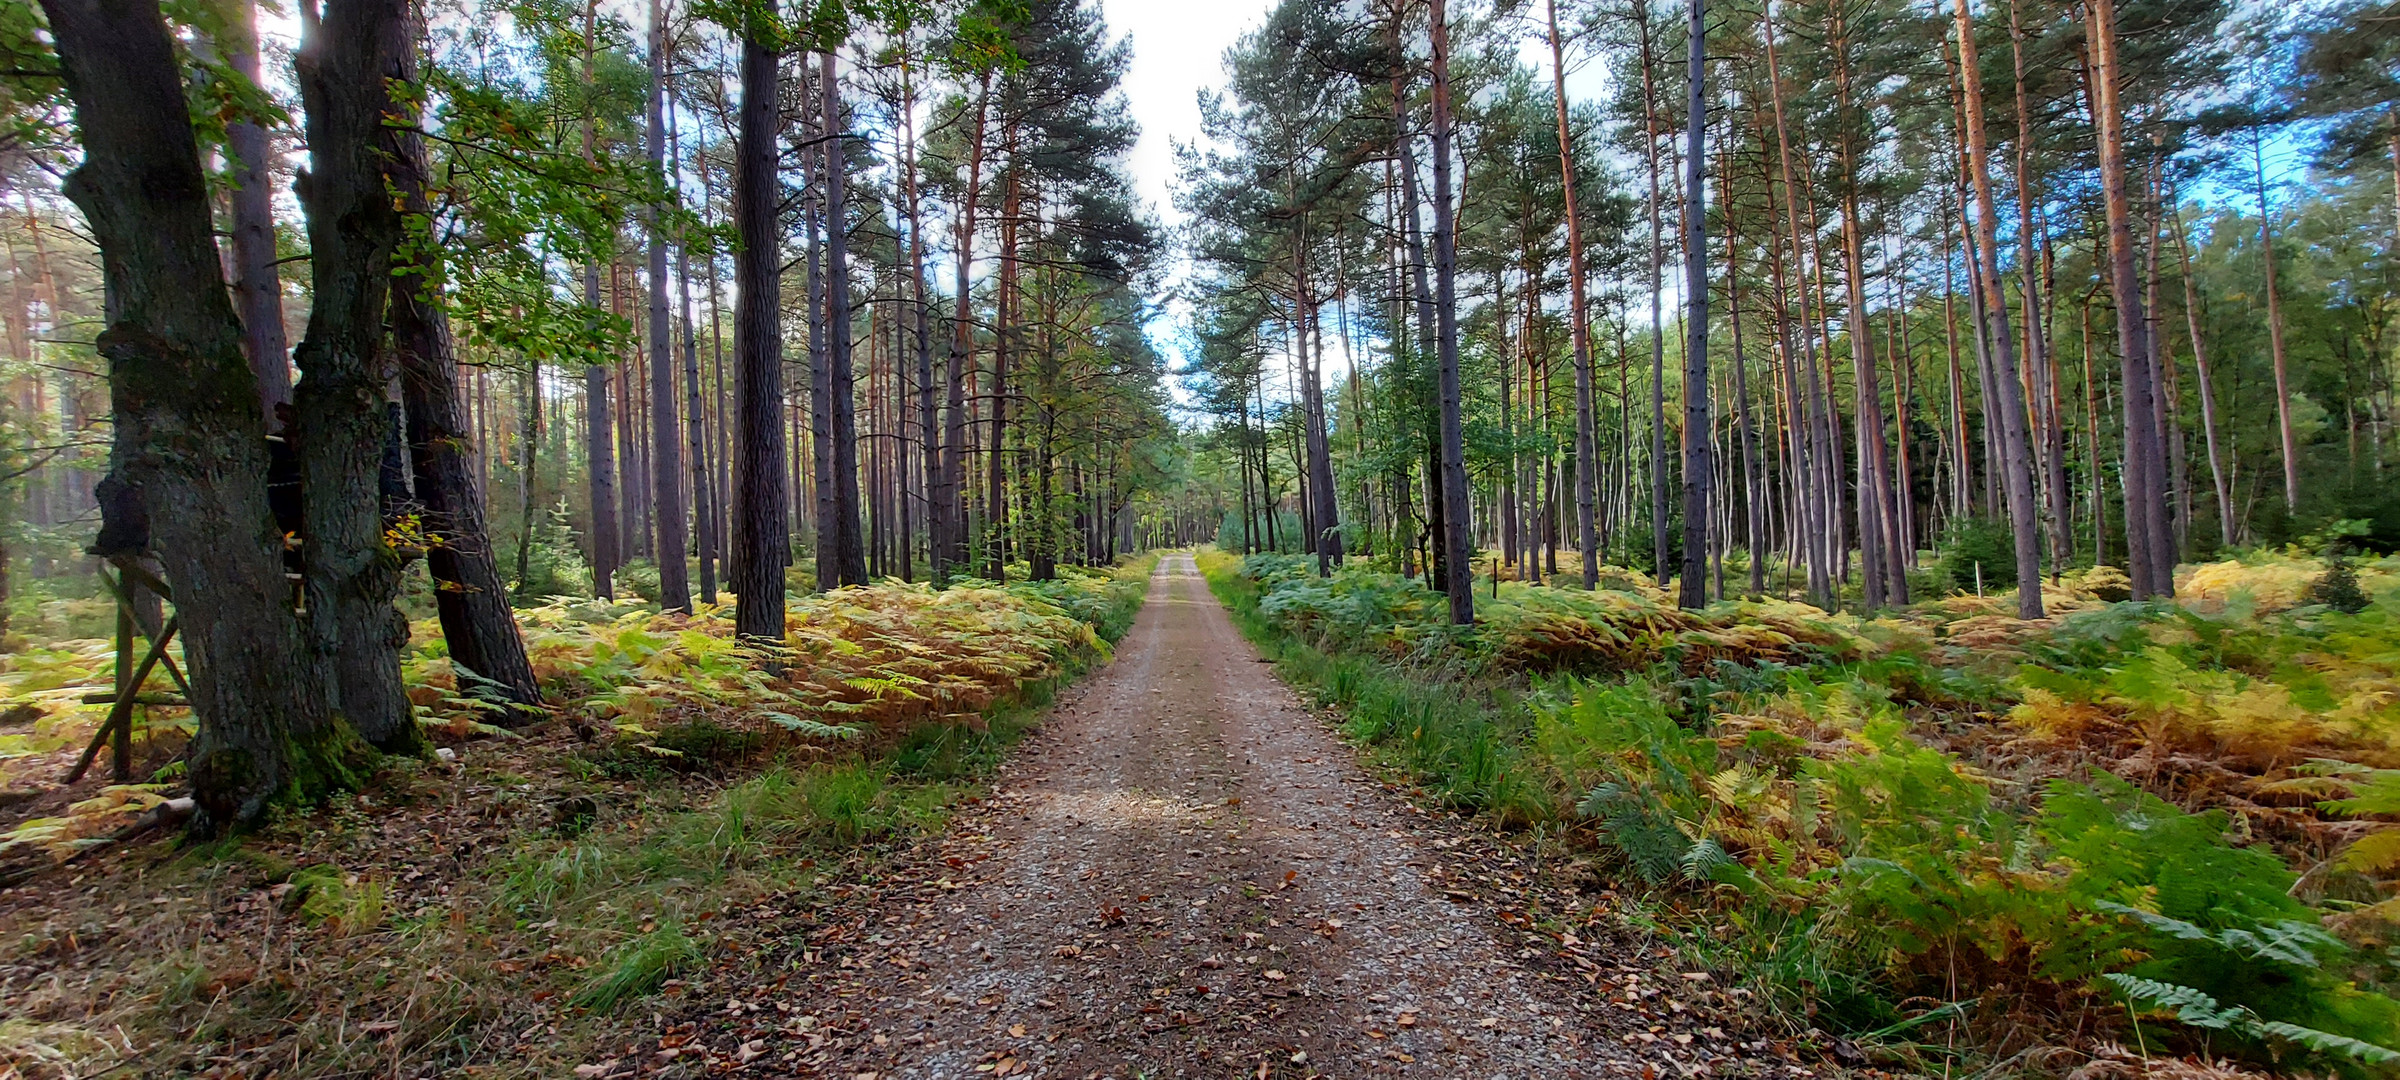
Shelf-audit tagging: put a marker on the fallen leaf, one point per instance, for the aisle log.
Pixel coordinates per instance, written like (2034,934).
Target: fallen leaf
(1272,975)
(1016,1031)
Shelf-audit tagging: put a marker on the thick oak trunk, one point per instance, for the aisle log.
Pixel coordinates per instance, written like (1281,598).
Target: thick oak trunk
(188,436)
(347,64)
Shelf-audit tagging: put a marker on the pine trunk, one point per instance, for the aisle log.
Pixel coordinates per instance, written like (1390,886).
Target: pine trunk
(761,537)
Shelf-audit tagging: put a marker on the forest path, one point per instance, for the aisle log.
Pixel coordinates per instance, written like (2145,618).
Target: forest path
(1185,874)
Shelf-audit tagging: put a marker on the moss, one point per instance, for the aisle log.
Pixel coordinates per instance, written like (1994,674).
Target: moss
(319,765)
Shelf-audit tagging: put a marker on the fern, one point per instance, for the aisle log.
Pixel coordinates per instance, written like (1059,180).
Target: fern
(2198,1009)
(2190,1006)
(1704,860)
(811,728)
(2326,1042)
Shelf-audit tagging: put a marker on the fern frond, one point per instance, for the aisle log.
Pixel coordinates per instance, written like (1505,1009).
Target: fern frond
(2374,853)
(2326,1042)
(1703,859)
(2191,1006)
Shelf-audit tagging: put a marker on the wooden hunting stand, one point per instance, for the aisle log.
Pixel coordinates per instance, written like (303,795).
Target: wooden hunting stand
(117,730)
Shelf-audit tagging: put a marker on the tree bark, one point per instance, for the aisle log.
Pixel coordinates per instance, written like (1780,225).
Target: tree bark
(666,435)
(2016,470)
(2208,394)
(2283,383)
(478,625)
(346,64)
(962,345)
(850,558)
(761,536)
(188,437)
(937,509)
(1460,549)
(1586,464)
(2150,544)
(257,287)
(598,430)
(1698,472)
(704,515)
(1658,331)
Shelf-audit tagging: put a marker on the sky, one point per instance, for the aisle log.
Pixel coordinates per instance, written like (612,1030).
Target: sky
(1178,48)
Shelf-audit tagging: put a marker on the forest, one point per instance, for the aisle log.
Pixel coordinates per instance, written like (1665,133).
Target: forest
(1874,514)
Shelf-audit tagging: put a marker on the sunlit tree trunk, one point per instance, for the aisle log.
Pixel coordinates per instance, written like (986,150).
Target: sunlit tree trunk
(2150,542)
(257,288)
(2016,471)
(2208,393)
(2283,383)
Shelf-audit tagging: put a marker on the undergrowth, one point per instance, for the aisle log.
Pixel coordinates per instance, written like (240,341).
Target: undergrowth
(2177,825)
(498,912)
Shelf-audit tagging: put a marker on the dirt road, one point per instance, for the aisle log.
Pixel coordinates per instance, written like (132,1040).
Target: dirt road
(1185,874)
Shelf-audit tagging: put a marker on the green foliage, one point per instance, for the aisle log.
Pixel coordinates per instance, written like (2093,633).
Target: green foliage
(1978,550)
(2337,587)
(2198,1009)
(1848,855)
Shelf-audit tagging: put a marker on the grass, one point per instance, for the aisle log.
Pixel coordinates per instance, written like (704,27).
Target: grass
(1887,825)
(497,920)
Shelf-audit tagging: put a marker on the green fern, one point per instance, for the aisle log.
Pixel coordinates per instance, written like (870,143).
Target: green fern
(811,728)
(2197,1009)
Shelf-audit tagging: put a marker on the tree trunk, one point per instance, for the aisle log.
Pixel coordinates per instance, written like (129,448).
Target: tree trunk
(188,438)
(761,536)
(1586,464)
(477,623)
(345,66)
(1461,580)
(1698,473)
(257,288)
(937,509)
(1004,328)
(962,346)
(704,515)
(849,553)
(2208,394)
(1658,333)
(2016,470)
(2150,543)
(2283,384)
(666,441)
(2041,367)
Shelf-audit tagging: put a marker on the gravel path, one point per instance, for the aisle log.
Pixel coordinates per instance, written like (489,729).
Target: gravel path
(1184,874)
